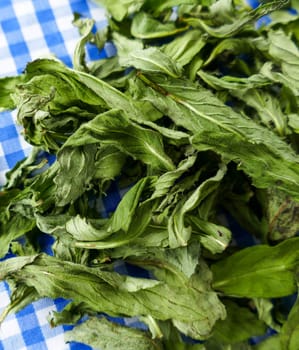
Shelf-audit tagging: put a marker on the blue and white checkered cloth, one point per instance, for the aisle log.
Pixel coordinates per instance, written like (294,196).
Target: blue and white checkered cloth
(30,29)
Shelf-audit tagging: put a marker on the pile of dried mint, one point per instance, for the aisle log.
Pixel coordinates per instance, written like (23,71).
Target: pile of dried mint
(197,114)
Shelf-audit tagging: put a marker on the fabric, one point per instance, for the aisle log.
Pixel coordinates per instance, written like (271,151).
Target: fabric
(30,29)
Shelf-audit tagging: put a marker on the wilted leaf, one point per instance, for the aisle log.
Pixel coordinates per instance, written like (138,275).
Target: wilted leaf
(260,271)
(103,334)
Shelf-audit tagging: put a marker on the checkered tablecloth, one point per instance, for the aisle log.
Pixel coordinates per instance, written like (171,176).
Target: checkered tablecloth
(30,29)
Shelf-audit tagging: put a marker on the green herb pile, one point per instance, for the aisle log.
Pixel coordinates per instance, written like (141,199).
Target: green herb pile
(196,119)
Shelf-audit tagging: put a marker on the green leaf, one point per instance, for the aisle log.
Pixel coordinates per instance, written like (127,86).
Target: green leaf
(85,27)
(179,233)
(17,215)
(268,108)
(263,175)
(86,230)
(122,8)
(185,47)
(285,52)
(43,188)
(177,266)
(103,334)
(240,324)
(21,296)
(128,296)
(71,314)
(289,80)
(213,344)
(12,228)
(130,219)
(76,169)
(125,46)
(172,339)
(7,88)
(167,180)
(158,7)
(265,312)
(271,343)
(259,271)
(283,49)
(289,335)
(283,17)
(231,45)
(93,93)
(171,264)
(49,109)
(124,213)
(238,24)
(235,84)
(216,138)
(114,128)
(219,128)
(105,68)
(108,163)
(24,169)
(152,59)
(15,264)
(145,26)
(282,216)
(138,224)
(86,88)
(201,280)
(215,238)
(154,236)
(293,122)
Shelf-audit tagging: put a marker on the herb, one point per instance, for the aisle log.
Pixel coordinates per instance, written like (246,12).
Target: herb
(196,119)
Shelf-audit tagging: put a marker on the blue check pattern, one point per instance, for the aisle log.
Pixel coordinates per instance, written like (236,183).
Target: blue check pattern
(31,29)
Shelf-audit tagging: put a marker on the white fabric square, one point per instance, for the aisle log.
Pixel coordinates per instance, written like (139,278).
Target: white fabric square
(10,327)
(42,314)
(57,343)
(23,8)
(4,300)
(33,32)
(2,177)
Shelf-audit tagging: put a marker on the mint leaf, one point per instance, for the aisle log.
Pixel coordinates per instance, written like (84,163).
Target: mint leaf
(103,334)
(260,271)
